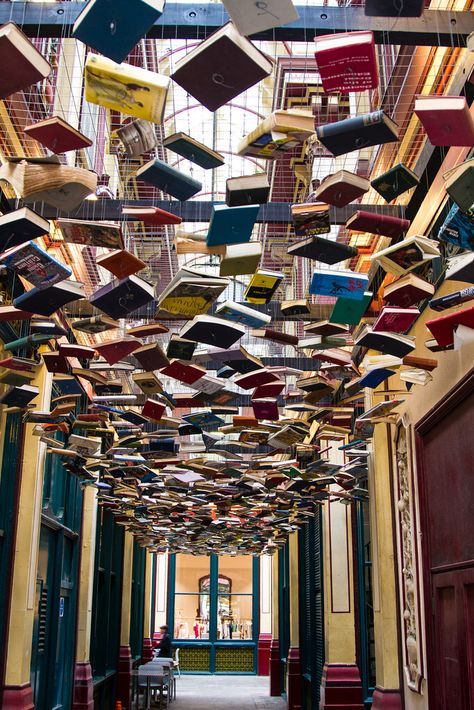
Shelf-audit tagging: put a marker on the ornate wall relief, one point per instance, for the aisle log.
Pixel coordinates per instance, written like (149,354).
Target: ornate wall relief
(408,573)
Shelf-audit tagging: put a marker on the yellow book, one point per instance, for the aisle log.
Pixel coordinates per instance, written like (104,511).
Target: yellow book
(185,305)
(125,88)
(280,131)
(262,286)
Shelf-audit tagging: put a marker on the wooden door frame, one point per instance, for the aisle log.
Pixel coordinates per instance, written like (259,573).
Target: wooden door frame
(444,407)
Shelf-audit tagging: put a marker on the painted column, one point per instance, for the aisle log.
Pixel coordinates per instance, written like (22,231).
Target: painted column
(275,671)
(265,635)
(83,685)
(17,692)
(124,674)
(293,679)
(147,650)
(387,692)
(161,595)
(341,684)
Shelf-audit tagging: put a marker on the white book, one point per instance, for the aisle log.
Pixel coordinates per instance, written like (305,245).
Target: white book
(250,16)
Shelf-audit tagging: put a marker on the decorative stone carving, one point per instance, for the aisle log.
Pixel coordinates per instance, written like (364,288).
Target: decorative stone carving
(408,574)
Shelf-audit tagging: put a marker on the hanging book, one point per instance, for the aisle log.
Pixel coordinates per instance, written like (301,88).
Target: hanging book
(238,313)
(35,265)
(250,17)
(231,225)
(390,343)
(263,286)
(193,150)
(212,331)
(459,184)
(408,290)
(327,282)
(447,120)
(357,132)
(347,61)
(20,226)
(150,215)
(168,179)
(310,219)
(58,135)
(341,188)
(22,64)
(282,131)
(395,182)
(47,301)
(443,327)
(120,297)
(406,255)
(138,137)
(386,225)
(191,293)
(240,259)
(396,320)
(247,190)
(91,234)
(121,263)
(458,228)
(320,249)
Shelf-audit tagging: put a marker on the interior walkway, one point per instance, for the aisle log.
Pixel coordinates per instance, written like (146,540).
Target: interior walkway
(219,692)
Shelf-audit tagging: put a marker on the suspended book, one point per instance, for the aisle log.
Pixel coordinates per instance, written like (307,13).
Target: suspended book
(231,225)
(35,265)
(447,120)
(151,357)
(121,263)
(247,190)
(138,137)
(46,301)
(461,268)
(443,327)
(168,179)
(395,182)
(150,215)
(459,184)
(212,331)
(250,17)
(114,350)
(193,150)
(404,256)
(221,67)
(191,293)
(22,64)
(456,298)
(310,219)
(327,282)
(125,88)
(94,234)
(357,132)
(320,249)
(396,320)
(19,396)
(238,313)
(382,409)
(58,135)
(391,343)
(147,329)
(458,228)
(240,259)
(347,61)
(282,131)
(408,290)
(388,226)
(341,188)
(263,286)
(95,324)
(120,297)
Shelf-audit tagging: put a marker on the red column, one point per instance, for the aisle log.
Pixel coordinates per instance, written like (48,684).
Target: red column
(386,699)
(124,678)
(83,687)
(293,679)
(147,650)
(275,668)
(263,654)
(18,697)
(341,687)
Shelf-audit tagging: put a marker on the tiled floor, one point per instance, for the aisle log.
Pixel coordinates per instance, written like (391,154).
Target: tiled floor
(225,692)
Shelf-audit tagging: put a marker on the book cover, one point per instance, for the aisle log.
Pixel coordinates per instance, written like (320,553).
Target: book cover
(212,331)
(395,182)
(461,268)
(326,282)
(168,179)
(251,380)
(357,132)
(396,320)
(271,389)
(325,250)
(121,263)
(238,313)
(20,226)
(443,327)
(19,396)
(310,219)
(46,301)
(193,150)
(151,357)
(180,348)
(263,286)
(341,188)
(250,17)
(125,88)
(183,371)
(35,265)
(247,190)
(120,297)
(92,234)
(281,131)
(390,343)
(58,135)
(221,68)
(115,350)
(114,28)
(406,255)
(386,225)
(150,215)
(347,61)
(138,137)
(23,64)
(447,120)
(152,409)
(408,290)
(452,299)
(95,324)
(458,228)
(374,378)
(231,225)
(459,184)
(240,259)
(266,409)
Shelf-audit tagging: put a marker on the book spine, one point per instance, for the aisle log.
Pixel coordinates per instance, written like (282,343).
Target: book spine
(452,299)
(349,124)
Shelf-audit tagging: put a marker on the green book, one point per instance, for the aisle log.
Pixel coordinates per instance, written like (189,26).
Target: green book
(349,310)
(193,150)
(395,182)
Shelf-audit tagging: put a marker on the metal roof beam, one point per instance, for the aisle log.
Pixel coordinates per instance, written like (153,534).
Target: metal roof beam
(198,20)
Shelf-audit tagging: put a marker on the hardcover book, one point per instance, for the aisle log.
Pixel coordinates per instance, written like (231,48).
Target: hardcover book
(395,182)
(212,331)
(191,293)
(35,265)
(396,320)
(443,327)
(459,184)
(390,343)
(263,286)
(247,190)
(460,268)
(147,382)
(47,301)
(447,120)
(250,17)
(310,219)
(238,313)
(138,137)
(147,329)
(95,324)
(180,348)
(452,299)
(408,290)
(266,409)
(168,179)
(113,29)
(458,228)
(347,61)
(19,396)
(125,88)
(120,297)
(250,380)
(231,225)
(58,135)
(277,336)
(282,131)
(121,263)
(92,234)
(386,225)
(183,371)
(404,256)
(327,282)
(23,64)
(154,410)
(320,249)
(193,150)
(240,259)
(151,357)
(20,226)
(150,215)
(114,350)
(341,188)
(357,132)
(221,68)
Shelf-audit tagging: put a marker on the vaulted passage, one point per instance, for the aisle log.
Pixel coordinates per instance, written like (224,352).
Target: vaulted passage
(225,693)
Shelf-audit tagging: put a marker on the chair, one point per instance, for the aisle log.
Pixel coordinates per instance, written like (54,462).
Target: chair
(176,662)
(152,678)
(167,664)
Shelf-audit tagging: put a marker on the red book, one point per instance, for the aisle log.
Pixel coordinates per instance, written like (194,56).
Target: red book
(265,409)
(186,401)
(279,337)
(57,135)
(447,120)
(143,331)
(183,371)
(271,389)
(347,61)
(121,263)
(57,362)
(396,320)
(151,357)
(341,188)
(76,350)
(114,350)
(22,64)
(11,313)
(408,290)
(153,410)
(150,215)
(249,381)
(443,326)
(374,223)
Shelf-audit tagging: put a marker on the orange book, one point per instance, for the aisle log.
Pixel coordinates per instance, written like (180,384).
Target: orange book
(121,263)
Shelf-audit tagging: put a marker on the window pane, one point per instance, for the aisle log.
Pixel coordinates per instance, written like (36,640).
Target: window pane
(238,570)
(234,617)
(189,571)
(191,620)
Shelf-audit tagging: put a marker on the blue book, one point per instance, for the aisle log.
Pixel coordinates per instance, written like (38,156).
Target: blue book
(239,313)
(375,377)
(231,225)
(327,282)
(204,420)
(114,28)
(458,228)
(168,179)
(35,265)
